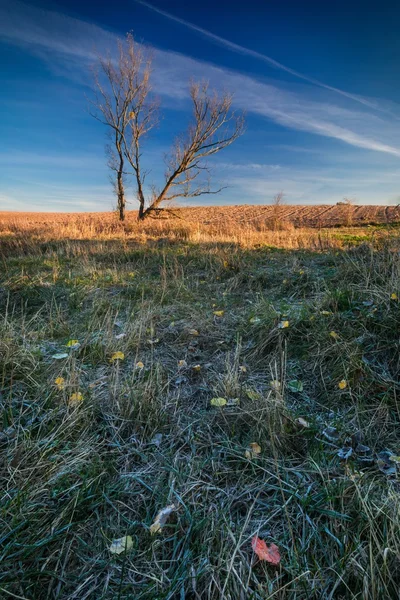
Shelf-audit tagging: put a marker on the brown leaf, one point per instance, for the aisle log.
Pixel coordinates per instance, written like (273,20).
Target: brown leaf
(270,553)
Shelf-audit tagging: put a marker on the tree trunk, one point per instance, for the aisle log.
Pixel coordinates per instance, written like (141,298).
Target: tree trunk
(141,214)
(120,193)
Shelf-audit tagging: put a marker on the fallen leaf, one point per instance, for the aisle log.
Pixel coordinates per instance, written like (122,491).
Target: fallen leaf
(342,384)
(345,452)
(326,313)
(268,553)
(331,434)
(218,401)
(60,356)
(295,385)
(276,385)
(196,368)
(157,439)
(60,382)
(253,450)
(253,395)
(121,545)
(242,369)
(139,365)
(73,344)
(193,332)
(385,463)
(394,458)
(283,325)
(219,313)
(75,399)
(334,335)
(302,423)
(182,364)
(162,518)
(254,320)
(117,356)
(394,296)
(361,449)
(151,342)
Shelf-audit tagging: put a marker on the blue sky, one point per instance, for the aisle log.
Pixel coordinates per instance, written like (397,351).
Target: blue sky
(318,81)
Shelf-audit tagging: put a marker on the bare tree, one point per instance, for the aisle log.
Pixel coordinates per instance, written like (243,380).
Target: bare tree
(277,203)
(349,204)
(126,107)
(121,91)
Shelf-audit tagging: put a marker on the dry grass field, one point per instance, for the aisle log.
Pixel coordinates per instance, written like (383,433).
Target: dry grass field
(115,341)
(258,218)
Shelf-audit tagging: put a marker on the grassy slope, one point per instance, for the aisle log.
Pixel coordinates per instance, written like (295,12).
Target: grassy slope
(74,478)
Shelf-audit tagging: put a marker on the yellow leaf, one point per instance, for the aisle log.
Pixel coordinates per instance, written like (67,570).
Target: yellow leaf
(253,395)
(393,296)
(75,399)
(256,448)
(73,344)
(117,356)
(196,368)
(253,450)
(254,320)
(342,384)
(139,365)
(394,458)
(193,332)
(326,313)
(283,325)
(218,401)
(219,313)
(60,382)
(301,272)
(155,341)
(182,364)
(276,385)
(162,518)
(242,369)
(334,335)
(121,545)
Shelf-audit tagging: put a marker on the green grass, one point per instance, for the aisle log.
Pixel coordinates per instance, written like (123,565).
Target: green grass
(73,478)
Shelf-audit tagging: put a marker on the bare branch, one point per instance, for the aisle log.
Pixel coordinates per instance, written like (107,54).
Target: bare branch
(123,103)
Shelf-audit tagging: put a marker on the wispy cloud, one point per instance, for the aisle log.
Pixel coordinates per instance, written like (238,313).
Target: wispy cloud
(69,46)
(258,55)
(68,161)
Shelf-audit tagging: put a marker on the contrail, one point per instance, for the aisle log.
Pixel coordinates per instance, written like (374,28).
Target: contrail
(258,55)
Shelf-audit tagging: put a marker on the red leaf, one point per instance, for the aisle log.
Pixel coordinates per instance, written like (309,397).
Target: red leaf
(269,553)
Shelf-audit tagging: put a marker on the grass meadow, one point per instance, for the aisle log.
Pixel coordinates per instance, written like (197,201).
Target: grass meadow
(296,329)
